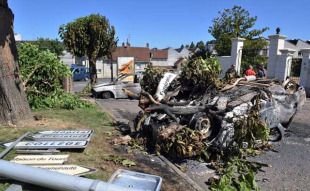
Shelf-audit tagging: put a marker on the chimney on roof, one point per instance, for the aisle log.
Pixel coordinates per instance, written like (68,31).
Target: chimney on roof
(128,44)
(147,45)
(123,44)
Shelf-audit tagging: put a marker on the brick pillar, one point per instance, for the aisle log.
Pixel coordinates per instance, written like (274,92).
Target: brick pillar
(276,43)
(305,70)
(236,52)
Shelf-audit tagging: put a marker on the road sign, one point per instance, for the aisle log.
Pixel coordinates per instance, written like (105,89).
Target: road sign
(61,137)
(50,144)
(66,132)
(69,169)
(39,152)
(39,159)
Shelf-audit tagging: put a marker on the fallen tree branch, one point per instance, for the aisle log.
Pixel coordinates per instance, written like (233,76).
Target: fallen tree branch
(175,92)
(131,94)
(140,122)
(147,94)
(29,76)
(37,91)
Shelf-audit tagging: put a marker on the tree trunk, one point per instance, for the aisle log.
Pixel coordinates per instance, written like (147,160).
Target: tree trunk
(67,84)
(92,70)
(14,106)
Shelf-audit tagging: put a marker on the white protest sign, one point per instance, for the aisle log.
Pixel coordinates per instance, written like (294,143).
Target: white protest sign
(40,159)
(68,169)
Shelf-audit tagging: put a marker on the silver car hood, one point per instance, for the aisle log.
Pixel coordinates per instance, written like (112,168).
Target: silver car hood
(105,84)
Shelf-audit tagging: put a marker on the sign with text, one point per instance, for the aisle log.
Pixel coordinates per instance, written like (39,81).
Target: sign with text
(79,132)
(69,169)
(61,137)
(50,144)
(40,159)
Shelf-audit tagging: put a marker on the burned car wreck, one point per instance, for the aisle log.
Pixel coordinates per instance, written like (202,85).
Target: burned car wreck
(212,108)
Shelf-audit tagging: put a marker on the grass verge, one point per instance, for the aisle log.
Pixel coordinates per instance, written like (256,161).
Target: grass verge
(77,119)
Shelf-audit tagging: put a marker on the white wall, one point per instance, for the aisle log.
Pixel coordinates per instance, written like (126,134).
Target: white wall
(159,62)
(226,63)
(67,58)
(173,56)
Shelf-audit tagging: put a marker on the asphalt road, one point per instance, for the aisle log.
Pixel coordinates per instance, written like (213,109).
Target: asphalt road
(290,165)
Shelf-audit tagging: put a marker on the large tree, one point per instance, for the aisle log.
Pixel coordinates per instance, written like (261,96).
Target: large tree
(14,107)
(91,36)
(232,23)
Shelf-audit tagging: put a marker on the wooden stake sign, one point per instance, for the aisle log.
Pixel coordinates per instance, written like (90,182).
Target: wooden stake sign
(50,144)
(39,159)
(69,169)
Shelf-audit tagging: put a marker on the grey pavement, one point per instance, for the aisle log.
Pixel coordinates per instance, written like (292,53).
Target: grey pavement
(124,110)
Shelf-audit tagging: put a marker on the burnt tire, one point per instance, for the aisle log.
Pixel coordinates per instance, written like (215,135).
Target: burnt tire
(205,124)
(107,95)
(276,134)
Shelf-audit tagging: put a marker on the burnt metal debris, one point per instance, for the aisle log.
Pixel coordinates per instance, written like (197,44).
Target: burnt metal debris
(185,112)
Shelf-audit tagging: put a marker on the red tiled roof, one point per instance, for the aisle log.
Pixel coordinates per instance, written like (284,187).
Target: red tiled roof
(140,53)
(159,53)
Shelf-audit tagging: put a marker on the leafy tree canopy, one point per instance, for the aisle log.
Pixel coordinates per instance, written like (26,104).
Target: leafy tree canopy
(232,23)
(53,45)
(192,45)
(91,36)
(201,45)
(42,74)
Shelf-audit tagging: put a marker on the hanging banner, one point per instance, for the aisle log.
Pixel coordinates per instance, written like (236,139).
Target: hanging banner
(126,65)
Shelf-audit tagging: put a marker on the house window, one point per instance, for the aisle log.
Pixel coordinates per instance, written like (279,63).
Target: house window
(299,54)
(138,65)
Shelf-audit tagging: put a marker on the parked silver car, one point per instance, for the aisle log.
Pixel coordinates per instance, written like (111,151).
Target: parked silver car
(116,88)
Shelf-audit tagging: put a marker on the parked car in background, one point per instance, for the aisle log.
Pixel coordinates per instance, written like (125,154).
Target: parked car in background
(114,89)
(80,73)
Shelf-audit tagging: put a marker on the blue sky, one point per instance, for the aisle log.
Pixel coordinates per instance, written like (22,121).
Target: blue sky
(161,23)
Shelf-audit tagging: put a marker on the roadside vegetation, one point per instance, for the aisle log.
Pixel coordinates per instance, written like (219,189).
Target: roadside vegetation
(42,73)
(98,150)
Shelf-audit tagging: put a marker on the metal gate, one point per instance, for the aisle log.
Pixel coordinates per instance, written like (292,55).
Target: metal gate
(295,70)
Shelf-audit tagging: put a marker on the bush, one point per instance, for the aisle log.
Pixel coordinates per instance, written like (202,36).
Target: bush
(42,74)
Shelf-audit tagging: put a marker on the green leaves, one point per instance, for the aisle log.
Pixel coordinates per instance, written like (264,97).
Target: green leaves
(119,160)
(230,23)
(201,73)
(91,36)
(42,73)
(238,174)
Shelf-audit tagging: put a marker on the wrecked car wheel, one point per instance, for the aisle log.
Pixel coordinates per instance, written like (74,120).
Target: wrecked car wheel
(106,95)
(276,134)
(203,123)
